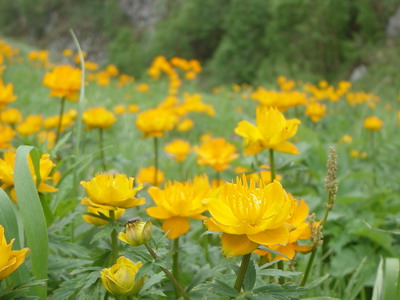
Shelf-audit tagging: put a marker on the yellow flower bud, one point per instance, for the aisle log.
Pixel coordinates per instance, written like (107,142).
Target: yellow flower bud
(136,233)
(120,278)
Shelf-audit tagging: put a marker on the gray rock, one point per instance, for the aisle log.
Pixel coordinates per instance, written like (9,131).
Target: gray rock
(358,73)
(393,27)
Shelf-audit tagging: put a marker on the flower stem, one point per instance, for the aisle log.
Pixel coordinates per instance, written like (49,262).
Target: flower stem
(175,259)
(60,117)
(218,177)
(156,161)
(242,272)
(114,240)
(101,145)
(171,277)
(272,164)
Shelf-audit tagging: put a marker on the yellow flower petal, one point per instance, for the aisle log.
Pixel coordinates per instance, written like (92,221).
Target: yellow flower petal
(235,245)
(271,236)
(286,147)
(222,212)
(176,226)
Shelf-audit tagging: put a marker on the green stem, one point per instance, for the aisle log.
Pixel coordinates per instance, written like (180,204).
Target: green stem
(114,240)
(171,277)
(242,272)
(218,177)
(156,161)
(60,117)
(272,164)
(309,265)
(101,145)
(175,259)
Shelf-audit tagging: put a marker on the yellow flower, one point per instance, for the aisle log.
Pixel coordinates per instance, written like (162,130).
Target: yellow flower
(271,132)
(30,125)
(77,58)
(121,279)
(11,116)
(154,122)
(250,215)
(7,173)
(185,125)
(67,52)
(373,123)
(98,117)
(178,202)
(6,135)
(10,260)
(124,79)
(64,82)
(178,149)
(355,153)
(217,153)
(52,122)
(300,231)
(112,70)
(91,66)
(6,94)
(346,139)
(48,138)
(119,109)
(315,111)
(133,108)
(143,88)
(99,211)
(136,233)
(146,175)
(111,192)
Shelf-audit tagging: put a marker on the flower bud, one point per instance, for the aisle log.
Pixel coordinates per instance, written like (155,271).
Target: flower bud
(120,278)
(136,233)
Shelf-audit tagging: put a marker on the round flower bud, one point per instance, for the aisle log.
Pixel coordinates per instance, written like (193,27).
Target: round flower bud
(136,233)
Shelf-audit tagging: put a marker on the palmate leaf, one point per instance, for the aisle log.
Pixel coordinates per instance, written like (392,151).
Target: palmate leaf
(32,215)
(280,292)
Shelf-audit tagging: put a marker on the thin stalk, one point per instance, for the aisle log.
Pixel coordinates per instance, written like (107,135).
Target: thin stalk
(171,277)
(175,259)
(242,272)
(156,161)
(101,145)
(218,177)
(308,269)
(114,240)
(272,164)
(60,117)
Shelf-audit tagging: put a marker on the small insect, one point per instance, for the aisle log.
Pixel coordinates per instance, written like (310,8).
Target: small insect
(133,220)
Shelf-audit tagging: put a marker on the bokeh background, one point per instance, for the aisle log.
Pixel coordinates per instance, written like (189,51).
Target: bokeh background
(237,41)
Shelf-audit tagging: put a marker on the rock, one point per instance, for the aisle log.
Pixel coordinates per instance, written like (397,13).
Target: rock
(358,73)
(393,27)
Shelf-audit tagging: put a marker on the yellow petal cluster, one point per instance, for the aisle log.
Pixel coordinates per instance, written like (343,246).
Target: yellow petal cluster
(107,191)
(146,175)
(315,111)
(249,215)
(11,116)
(373,123)
(270,132)
(155,122)
(98,117)
(178,149)
(6,94)
(10,260)
(30,125)
(118,213)
(136,233)
(64,82)
(6,136)
(121,279)
(178,202)
(216,152)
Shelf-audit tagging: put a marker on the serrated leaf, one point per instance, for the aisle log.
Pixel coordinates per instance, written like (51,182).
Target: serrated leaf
(221,288)
(250,277)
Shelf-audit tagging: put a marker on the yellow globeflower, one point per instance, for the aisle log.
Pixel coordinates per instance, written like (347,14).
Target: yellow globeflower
(178,202)
(250,215)
(136,233)
(48,138)
(119,109)
(10,260)
(271,132)
(121,279)
(6,94)
(154,122)
(67,52)
(315,111)
(146,175)
(133,108)
(143,88)
(11,116)
(6,135)
(30,125)
(111,192)
(217,153)
(373,123)
(178,149)
(52,122)
(98,117)
(64,82)
(99,211)
(300,231)
(7,173)
(185,125)
(346,139)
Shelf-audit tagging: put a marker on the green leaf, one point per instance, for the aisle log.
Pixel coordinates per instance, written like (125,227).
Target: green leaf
(223,289)
(250,278)
(391,276)
(33,217)
(378,291)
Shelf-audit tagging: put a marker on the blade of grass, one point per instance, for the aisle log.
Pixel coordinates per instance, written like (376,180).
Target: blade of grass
(9,221)
(390,282)
(378,285)
(32,216)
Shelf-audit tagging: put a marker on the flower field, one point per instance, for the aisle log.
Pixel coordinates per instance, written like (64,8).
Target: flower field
(115,187)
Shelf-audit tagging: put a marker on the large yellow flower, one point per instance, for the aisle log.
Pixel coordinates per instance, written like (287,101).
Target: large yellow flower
(178,202)
(249,215)
(373,123)
(64,82)
(178,149)
(111,192)
(216,152)
(270,132)
(7,173)
(98,117)
(10,260)
(154,122)
(121,279)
